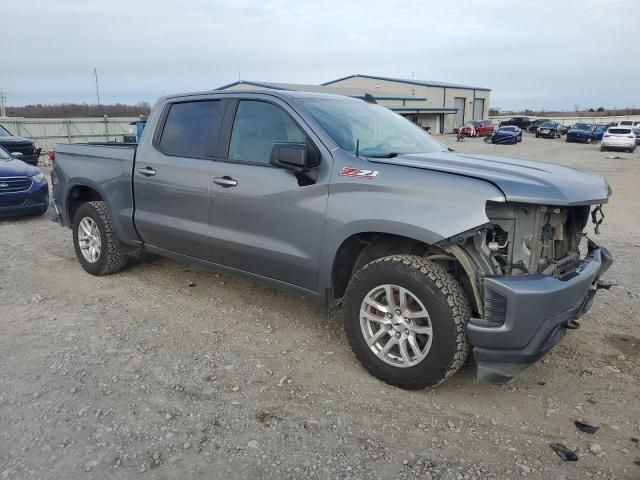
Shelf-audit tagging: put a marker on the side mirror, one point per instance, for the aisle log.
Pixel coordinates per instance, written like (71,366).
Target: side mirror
(17,155)
(293,156)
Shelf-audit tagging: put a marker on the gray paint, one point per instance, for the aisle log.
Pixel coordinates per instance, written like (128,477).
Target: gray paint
(271,227)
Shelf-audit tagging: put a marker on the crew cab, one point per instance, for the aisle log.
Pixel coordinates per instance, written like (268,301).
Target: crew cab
(428,251)
(521,122)
(21,148)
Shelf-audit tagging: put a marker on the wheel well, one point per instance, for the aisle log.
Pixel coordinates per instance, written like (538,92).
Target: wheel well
(77,196)
(362,248)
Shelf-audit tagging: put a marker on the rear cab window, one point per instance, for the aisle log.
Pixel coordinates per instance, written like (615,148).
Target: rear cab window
(191,129)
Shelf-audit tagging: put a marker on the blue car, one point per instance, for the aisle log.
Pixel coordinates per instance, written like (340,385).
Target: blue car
(581,132)
(506,135)
(598,131)
(23,188)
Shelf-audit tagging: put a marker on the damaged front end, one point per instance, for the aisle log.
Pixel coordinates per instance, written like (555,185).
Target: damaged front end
(535,274)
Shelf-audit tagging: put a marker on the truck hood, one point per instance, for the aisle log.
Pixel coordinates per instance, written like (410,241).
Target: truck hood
(519,180)
(8,141)
(16,168)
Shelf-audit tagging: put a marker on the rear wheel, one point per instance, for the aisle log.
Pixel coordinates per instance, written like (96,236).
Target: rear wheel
(405,319)
(97,249)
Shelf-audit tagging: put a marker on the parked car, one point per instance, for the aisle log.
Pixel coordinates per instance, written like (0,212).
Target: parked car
(636,132)
(339,198)
(598,131)
(548,129)
(564,129)
(475,128)
(469,129)
(509,135)
(22,148)
(629,123)
(533,127)
(520,122)
(619,138)
(580,132)
(23,188)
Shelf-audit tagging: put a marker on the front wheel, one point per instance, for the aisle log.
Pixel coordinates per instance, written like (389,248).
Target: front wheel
(405,319)
(97,249)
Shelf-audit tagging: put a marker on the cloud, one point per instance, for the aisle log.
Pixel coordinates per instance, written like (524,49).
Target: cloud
(531,54)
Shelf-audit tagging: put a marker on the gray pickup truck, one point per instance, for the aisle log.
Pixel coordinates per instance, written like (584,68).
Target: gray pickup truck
(432,253)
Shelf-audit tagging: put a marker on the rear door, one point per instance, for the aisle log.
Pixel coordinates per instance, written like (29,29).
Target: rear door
(172,177)
(265,220)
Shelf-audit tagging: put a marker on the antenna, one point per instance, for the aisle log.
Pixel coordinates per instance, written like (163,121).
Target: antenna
(95,73)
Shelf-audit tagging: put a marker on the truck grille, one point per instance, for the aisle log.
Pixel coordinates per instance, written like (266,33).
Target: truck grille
(14,184)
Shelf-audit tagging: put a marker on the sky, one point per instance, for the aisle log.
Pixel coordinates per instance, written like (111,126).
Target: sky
(533,54)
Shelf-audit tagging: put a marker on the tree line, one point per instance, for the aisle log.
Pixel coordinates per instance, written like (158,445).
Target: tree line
(79,110)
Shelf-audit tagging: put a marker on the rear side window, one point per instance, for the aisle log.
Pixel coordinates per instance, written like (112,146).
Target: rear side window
(257,126)
(191,129)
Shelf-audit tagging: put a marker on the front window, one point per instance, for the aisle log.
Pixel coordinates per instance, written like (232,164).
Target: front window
(377,130)
(257,126)
(4,132)
(507,129)
(548,125)
(582,126)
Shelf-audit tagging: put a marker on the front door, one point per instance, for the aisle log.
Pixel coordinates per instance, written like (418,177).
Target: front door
(265,220)
(172,178)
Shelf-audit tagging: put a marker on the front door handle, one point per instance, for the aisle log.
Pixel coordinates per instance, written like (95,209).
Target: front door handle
(225,181)
(147,171)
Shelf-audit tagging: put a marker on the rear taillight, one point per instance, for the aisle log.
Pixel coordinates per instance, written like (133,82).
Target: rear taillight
(52,155)
(607,136)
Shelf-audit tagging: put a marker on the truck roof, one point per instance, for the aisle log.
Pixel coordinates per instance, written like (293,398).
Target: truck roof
(273,93)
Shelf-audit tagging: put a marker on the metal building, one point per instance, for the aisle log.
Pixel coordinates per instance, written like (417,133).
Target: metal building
(437,106)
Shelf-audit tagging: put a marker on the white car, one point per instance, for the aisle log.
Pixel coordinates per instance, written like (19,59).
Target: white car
(629,123)
(619,138)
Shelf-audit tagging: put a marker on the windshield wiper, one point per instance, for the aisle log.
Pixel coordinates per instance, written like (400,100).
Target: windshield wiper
(383,155)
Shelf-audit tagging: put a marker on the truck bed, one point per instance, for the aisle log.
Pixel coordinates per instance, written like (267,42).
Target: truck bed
(107,169)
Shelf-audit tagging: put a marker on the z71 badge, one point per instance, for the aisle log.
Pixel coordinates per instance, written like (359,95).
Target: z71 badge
(359,173)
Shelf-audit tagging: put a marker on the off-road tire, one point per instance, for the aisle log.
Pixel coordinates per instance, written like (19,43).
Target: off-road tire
(448,308)
(111,259)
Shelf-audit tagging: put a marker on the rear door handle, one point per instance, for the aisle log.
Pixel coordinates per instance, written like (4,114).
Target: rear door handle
(225,181)
(147,171)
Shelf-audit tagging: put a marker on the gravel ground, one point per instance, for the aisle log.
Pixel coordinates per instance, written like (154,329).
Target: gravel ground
(171,371)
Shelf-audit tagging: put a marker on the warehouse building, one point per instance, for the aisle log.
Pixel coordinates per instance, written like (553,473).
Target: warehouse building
(436,106)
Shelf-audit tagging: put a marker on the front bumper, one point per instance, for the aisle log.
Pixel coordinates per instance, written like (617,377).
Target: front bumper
(548,134)
(530,314)
(29,202)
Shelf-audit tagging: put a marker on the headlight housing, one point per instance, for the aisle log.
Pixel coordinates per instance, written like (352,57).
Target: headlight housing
(38,177)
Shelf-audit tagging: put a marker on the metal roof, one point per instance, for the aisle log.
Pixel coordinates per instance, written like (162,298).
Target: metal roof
(425,83)
(346,91)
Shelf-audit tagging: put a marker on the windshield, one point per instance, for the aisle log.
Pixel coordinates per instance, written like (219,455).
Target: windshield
(4,132)
(472,123)
(507,129)
(582,126)
(548,124)
(4,155)
(378,131)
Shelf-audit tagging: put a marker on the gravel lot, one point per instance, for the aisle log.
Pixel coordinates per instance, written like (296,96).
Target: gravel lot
(171,371)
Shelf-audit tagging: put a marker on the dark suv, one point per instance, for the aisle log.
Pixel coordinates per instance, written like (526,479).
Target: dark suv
(19,147)
(522,122)
(549,129)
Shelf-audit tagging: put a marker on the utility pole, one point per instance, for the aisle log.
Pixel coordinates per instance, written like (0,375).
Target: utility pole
(95,73)
(3,98)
